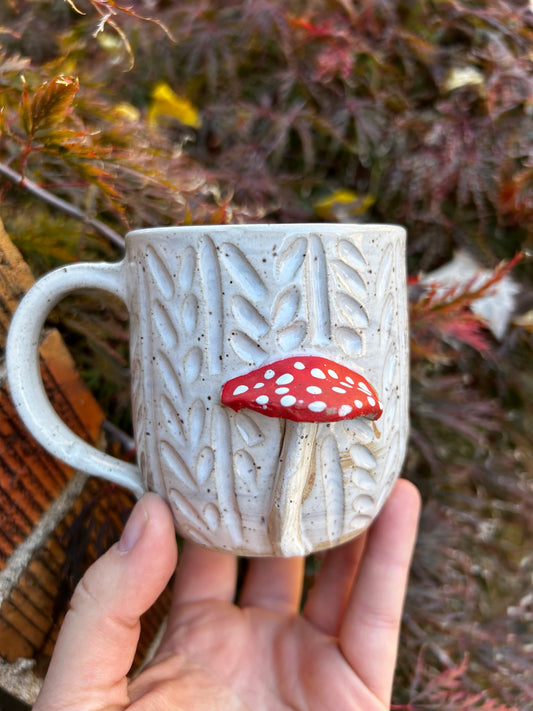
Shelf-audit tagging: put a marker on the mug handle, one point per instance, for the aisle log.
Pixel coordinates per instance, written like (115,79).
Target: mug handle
(24,375)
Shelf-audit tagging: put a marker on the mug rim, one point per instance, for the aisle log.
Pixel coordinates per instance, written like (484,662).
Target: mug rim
(273,227)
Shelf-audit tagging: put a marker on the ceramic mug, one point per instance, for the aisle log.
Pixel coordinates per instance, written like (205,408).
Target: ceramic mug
(269,368)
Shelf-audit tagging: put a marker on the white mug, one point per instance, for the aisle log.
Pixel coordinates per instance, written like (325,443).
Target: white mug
(269,368)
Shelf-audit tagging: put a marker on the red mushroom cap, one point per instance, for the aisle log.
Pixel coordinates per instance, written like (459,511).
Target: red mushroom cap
(304,389)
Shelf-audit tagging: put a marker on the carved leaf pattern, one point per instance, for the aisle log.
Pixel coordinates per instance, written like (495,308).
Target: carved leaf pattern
(164,325)
(180,364)
(192,364)
(248,317)
(391,387)
(189,313)
(285,307)
(384,272)
(349,278)
(363,479)
(224,479)
(187,269)
(362,457)
(349,270)
(291,259)
(290,338)
(392,457)
(387,319)
(359,430)
(169,375)
(173,462)
(212,516)
(369,467)
(171,417)
(248,350)
(162,277)
(389,370)
(245,341)
(363,475)
(364,505)
(191,523)
(196,421)
(169,318)
(138,400)
(243,272)
(349,341)
(352,255)
(353,311)
(205,465)
(248,429)
(246,469)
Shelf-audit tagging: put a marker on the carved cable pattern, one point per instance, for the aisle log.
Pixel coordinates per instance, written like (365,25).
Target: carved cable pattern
(201,487)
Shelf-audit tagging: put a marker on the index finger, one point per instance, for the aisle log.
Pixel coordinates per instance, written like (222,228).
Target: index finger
(371,626)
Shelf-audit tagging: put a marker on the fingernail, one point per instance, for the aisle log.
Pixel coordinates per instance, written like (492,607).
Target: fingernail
(134,528)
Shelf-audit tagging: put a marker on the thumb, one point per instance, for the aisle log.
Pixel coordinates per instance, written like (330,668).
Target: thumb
(98,639)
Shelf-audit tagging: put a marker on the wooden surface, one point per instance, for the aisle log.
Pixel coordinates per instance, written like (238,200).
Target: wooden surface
(54,522)
(30,479)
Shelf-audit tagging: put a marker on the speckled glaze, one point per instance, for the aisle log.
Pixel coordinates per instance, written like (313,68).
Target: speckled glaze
(210,304)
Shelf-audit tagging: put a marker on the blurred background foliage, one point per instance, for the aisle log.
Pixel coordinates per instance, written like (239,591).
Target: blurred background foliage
(119,116)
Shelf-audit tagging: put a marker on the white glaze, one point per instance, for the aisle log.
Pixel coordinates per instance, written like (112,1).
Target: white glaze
(209,303)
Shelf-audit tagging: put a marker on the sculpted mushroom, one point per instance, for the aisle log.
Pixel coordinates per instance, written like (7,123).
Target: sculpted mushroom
(304,391)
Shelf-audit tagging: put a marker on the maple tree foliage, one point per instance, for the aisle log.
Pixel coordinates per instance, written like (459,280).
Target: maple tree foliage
(118,115)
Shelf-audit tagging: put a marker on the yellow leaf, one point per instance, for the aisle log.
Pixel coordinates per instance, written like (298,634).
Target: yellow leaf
(342,205)
(127,111)
(187,219)
(458,77)
(525,321)
(165,102)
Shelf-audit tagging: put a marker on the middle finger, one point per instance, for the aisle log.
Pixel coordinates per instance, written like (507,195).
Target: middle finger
(327,599)
(274,584)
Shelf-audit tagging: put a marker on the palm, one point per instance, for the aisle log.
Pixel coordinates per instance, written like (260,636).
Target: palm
(244,658)
(262,654)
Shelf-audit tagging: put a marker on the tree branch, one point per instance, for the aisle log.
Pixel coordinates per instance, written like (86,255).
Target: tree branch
(61,204)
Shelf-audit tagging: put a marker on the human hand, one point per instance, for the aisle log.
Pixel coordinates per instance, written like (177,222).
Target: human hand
(261,654)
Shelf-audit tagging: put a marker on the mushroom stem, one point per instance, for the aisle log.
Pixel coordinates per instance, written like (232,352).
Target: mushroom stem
(284,524)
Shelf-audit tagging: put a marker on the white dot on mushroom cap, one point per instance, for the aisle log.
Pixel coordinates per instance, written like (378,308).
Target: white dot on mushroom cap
(285,379)
(259,385)
(314,390)
(262,399)
(346,385)
(240,389)
(269,374)
(317,373)
(281,391)
(371,401)
(333,374)
(358,403)
(287,400)
(338,390)
(345,410)
(363,387)
(317,406)
(299,365)
(350,380)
